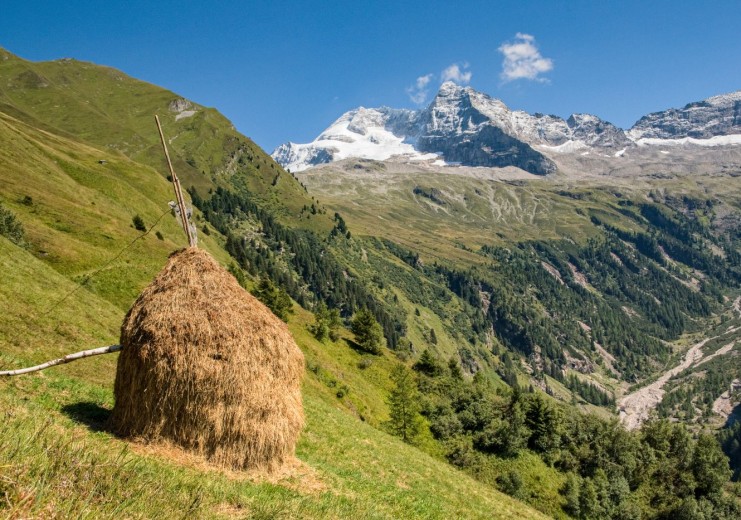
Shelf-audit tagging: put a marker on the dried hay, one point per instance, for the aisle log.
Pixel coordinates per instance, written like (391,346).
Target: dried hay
(208,367)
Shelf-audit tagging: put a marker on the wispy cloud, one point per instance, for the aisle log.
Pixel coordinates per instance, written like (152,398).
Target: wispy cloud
(522,60)
(457,73)
(419,91)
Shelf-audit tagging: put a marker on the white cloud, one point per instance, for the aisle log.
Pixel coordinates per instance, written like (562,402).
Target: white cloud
(457,74)
(522,60)
(419,91)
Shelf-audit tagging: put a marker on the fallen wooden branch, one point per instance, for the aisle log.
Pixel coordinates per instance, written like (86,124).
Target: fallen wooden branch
(66,359)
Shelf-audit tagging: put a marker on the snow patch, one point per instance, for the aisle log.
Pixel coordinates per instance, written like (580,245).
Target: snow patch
(360,134)
(567,147)
(716,140)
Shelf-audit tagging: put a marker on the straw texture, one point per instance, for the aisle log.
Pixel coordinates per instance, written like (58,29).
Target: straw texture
(207,366)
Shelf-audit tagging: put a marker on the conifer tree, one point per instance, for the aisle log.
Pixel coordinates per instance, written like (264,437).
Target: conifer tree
(275,298)
(368,333)
(404,408)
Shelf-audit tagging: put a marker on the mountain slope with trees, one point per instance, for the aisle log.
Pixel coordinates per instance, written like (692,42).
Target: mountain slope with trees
(499,330)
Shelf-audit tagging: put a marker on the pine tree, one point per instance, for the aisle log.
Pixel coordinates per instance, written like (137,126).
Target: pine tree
(516,433)
(368,333)
(588,502)
(275,298)
(570,492)
(428,365)
(404,408)
(544,423)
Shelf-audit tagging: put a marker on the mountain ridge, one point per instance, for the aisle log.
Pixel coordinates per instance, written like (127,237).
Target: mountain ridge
(470,128)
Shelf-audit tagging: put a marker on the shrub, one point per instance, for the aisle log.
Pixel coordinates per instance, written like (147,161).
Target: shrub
(10,227)
(326,323)
(510,483)
(138,223)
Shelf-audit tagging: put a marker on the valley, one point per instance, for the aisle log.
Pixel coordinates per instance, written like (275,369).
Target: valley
(636,407)
(528,302)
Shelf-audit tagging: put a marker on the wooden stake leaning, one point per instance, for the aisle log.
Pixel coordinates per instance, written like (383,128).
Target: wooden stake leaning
(66,359)
(115,348)
(178,190)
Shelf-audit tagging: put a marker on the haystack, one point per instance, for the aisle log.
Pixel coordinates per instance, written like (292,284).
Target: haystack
(207,366)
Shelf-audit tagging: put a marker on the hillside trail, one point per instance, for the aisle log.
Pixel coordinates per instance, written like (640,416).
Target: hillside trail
(636,407)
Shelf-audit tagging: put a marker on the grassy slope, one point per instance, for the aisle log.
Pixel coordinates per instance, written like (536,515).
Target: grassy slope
(467,214)
(470,212)
(114,112)
(80,218)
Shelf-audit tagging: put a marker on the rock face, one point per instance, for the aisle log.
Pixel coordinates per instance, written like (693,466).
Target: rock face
(595,132)
(715,116)
(470,128)
(466,127)
(487,146)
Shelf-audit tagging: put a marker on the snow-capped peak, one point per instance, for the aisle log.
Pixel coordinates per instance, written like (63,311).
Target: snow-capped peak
(368,133)
(471,128)
(450,88)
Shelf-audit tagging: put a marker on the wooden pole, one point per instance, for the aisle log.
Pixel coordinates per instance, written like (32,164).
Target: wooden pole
(66,359)
(178,190)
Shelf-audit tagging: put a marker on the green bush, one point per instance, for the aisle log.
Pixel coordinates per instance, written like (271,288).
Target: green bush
(510,483)
(326,323)
(138,223)
(10,227)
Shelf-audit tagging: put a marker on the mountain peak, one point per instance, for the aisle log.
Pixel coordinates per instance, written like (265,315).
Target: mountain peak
(452,89)
(470,128)
(450,86)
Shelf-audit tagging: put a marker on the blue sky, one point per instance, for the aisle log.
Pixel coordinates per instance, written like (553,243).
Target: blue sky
(285,70)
